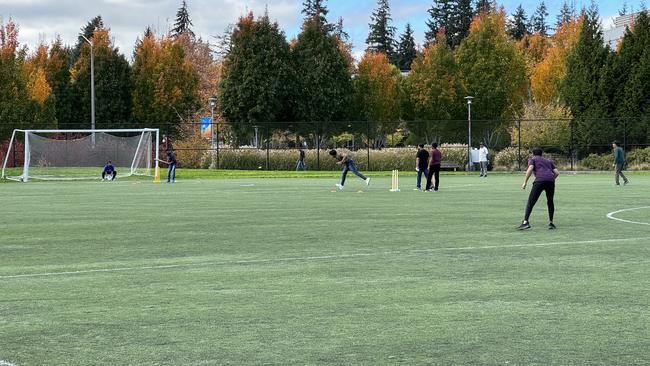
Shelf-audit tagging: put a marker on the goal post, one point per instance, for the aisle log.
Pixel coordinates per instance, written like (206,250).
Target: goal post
(81,153)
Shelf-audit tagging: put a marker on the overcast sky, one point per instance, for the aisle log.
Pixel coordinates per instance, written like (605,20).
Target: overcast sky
(44,19)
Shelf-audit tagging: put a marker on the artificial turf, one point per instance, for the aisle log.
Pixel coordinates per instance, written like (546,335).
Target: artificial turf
(260,271)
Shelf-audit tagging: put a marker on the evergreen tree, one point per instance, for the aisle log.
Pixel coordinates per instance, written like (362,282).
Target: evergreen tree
(484,6)
(183,23)
(518,27)
(112,85)
(58,74)
(567,13)
(382,34)
(340,32)
(440,18)
(315,9)
(87,31)
(406,51)
(581,88)
(454,16)
(257,77)
(628,91)
(324,87)
(463,19)
(538,20)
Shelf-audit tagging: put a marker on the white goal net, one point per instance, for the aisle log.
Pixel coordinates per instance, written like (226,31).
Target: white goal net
(81,154)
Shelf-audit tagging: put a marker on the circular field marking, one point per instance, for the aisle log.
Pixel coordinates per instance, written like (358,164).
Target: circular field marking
(612,217)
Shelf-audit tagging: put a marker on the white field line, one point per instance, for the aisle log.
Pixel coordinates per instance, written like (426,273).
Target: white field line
(611,215)
(5,363)
(316,258)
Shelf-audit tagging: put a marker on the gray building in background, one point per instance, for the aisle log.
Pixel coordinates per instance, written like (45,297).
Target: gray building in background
(614,34)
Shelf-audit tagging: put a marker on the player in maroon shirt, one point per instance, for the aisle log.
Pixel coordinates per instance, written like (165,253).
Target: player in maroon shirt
(435,159)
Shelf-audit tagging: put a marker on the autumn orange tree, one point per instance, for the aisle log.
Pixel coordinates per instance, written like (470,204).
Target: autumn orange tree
(165,84)
(375,94)
(545,76)
(25,94)
(34,72)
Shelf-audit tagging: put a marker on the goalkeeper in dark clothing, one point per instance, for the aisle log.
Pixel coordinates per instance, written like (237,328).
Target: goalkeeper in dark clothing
(109,170)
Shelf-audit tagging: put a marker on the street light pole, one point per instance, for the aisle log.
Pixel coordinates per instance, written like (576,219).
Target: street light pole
(469,131)
(215,129)
(92,88)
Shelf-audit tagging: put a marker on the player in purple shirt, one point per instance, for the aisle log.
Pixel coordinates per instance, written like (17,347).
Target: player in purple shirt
(545,175)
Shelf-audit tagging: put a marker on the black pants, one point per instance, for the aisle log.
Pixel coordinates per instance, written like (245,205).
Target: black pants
(535,192)
(434,172)
(113,174)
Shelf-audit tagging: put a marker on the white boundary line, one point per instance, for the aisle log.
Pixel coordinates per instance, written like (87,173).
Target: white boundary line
(611,215)
(314,258)
(5,363)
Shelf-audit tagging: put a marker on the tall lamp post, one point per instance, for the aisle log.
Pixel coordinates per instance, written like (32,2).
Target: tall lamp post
(469,132)
(215,129)
(92,88)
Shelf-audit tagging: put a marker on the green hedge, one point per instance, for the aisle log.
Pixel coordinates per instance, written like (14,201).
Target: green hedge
(403,159)
(380,160)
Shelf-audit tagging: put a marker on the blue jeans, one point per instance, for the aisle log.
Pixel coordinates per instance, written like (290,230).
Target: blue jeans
(301,165)
(350,166)
(422,171)
(171,172)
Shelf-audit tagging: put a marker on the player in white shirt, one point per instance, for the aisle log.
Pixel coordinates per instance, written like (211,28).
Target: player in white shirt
(483,159)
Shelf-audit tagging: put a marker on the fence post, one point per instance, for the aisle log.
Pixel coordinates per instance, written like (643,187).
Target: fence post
(368,142)
(14,148)
(317,145)
(268,144)
(519,145)
(572,145)
(624,133)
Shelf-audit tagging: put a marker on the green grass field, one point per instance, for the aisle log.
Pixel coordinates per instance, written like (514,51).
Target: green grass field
(282,271)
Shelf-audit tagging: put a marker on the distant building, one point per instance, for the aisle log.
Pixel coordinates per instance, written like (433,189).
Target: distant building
(615,33)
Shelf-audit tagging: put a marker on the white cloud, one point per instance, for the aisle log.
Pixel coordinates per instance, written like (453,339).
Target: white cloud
(45,19)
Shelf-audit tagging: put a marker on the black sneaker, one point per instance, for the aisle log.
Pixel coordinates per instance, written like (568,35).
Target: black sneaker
(524,226)
(551,226)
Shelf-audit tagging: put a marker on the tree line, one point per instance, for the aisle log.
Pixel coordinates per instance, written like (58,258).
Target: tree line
(515,67)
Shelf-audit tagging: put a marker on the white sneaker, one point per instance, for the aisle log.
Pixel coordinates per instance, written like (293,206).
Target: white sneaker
(340,187)
(367,181)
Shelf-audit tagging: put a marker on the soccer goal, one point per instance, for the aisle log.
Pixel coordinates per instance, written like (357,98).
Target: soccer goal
(81,154)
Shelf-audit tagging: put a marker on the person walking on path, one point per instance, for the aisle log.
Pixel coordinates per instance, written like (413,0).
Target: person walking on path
(483,159)
(619,163)
(435,159)
(545,175)
(300,165)
(421,166)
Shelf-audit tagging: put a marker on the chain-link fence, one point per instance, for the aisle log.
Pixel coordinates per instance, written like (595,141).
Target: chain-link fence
(385,145)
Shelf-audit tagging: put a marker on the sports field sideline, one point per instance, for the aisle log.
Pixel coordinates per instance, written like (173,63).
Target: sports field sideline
(283,271)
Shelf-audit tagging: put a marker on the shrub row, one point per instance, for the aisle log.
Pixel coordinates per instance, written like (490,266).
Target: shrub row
(380,160)
(388,159)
